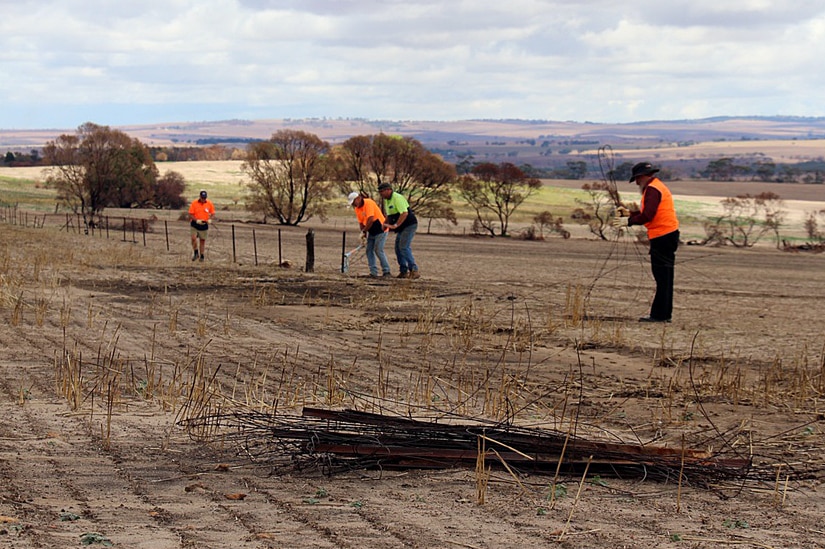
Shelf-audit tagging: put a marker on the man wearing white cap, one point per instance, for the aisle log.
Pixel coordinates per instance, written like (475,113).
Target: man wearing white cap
(371,221)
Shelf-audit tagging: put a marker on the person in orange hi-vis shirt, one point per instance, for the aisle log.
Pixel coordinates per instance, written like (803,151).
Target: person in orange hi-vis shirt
(658,215)
(200,215)
(371,221)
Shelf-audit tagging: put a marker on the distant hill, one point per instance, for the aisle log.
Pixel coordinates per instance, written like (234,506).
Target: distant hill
(474,131)
(683,145)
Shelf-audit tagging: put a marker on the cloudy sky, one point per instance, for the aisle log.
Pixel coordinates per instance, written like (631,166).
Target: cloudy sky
(119,62)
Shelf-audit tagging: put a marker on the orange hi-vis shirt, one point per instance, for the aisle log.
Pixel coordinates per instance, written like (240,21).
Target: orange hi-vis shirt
(370,209)
(202,211)
(665,221)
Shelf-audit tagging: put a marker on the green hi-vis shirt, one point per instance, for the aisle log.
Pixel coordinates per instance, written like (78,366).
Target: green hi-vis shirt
(395,205)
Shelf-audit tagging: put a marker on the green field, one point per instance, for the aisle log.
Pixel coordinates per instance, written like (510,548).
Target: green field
(28,193)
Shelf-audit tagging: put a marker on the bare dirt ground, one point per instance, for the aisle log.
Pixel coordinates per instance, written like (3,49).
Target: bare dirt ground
(105,345)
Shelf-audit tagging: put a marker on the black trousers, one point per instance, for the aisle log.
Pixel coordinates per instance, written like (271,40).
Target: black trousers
(662,263)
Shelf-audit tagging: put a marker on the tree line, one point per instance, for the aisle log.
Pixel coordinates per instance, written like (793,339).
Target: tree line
(293,176)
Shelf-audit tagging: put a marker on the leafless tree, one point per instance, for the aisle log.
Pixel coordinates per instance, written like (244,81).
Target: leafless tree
(495,191)
(595,211)
(813,226)
(746,219)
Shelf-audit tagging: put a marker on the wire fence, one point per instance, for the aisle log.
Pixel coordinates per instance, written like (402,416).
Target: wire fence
(239,243)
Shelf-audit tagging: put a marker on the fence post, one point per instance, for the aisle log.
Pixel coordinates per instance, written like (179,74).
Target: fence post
(166,230)
(310,268)
(344,262)
(280,259)
(143,229)
(233,244)
(255,247)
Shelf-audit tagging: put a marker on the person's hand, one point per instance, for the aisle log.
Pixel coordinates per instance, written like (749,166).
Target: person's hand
(621,211)
(620,222)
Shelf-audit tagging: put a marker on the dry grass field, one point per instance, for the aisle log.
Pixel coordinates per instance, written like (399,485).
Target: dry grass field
(779,150)
(107,344)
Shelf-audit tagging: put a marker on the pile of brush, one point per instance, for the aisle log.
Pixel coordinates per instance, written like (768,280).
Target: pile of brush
(339,440)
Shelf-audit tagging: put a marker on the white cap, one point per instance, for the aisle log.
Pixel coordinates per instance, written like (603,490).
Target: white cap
(352,196)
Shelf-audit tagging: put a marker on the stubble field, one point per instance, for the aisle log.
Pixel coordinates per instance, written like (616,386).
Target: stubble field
(106,345)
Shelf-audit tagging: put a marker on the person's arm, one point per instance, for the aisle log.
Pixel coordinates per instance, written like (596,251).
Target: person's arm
(399,221)
(365,226)
(650,205)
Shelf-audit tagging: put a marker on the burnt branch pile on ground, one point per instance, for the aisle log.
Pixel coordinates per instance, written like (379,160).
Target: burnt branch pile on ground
(349,439)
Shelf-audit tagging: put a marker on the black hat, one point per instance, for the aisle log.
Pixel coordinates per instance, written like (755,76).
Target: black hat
(383,186)
(203,194)
(642,168)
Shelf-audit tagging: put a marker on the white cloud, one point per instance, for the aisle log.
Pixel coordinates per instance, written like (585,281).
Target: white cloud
(63,63)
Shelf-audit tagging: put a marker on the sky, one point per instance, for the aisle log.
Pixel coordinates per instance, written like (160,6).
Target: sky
(124,62)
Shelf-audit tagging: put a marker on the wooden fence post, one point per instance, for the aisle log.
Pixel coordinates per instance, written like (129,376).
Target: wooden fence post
(310,268)
(234,257)
(255,247)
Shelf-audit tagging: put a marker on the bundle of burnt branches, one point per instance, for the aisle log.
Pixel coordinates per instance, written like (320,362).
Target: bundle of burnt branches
(345,440)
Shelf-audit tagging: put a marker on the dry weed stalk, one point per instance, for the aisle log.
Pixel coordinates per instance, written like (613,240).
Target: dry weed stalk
(65,314)
(482,472)
(200,328)
(69,378)
(574,304)
(576,501)
(17,312)
(173,320)
(202,387)
(25,394)
(41,309)
(111,397)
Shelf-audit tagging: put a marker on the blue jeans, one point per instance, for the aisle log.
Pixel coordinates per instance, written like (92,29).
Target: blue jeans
(375,247)
(403,248)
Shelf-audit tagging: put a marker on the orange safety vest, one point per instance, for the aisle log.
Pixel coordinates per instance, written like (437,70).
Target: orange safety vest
(369,209)
(665,221)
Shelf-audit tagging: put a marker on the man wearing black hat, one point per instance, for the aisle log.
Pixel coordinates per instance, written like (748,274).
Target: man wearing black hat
(200,214)
(658,215)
